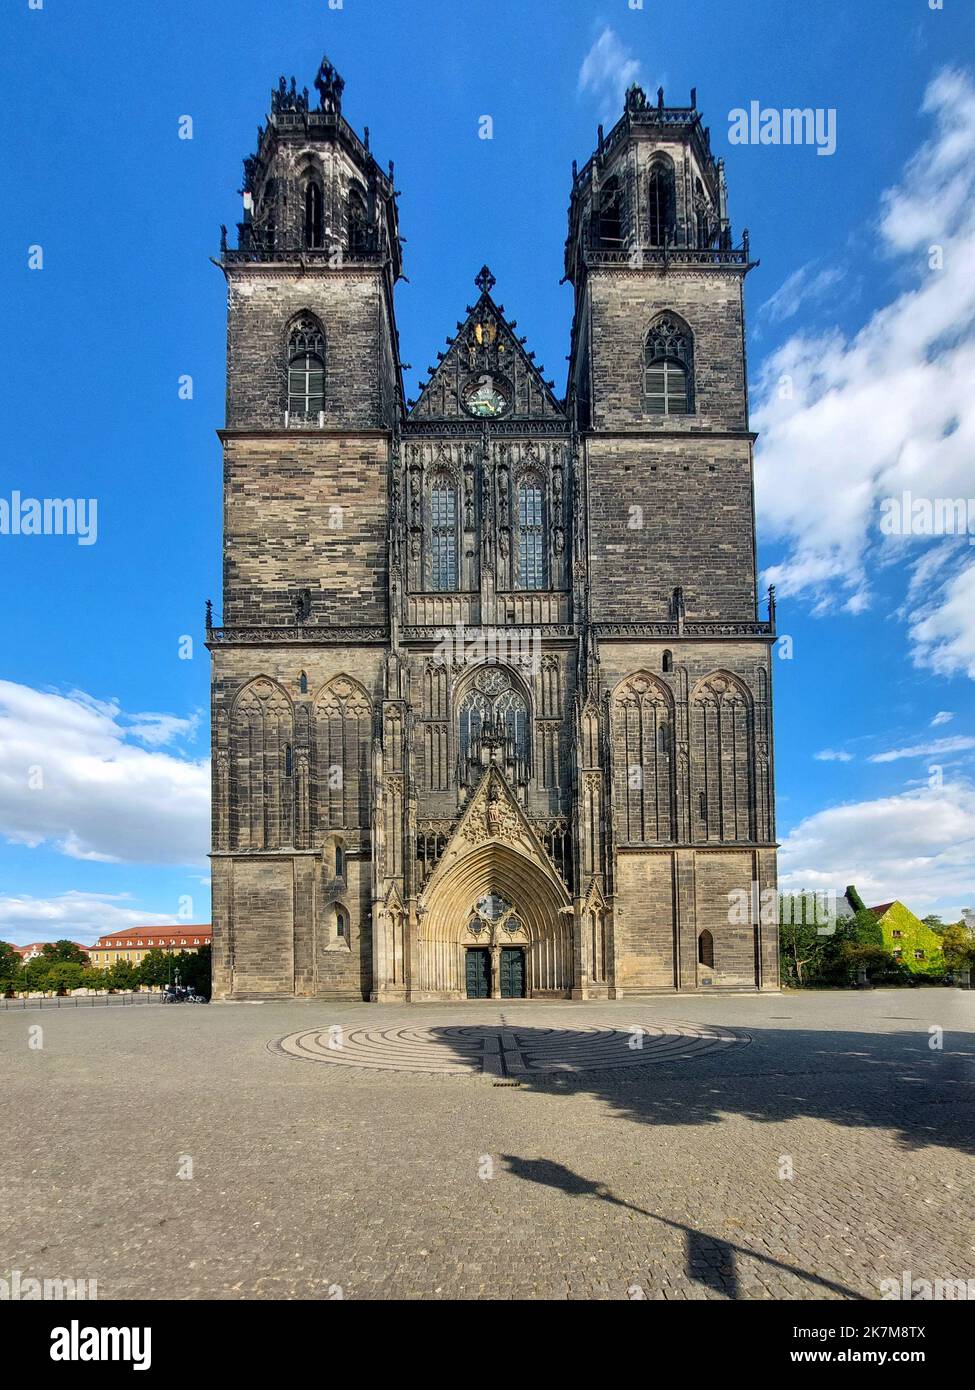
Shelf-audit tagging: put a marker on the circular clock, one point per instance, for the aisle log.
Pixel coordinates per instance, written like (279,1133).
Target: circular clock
(486,397)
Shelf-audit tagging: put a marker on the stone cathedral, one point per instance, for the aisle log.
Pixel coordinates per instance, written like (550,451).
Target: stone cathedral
(491,698)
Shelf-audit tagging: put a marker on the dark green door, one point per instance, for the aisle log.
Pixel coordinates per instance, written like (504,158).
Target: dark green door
(478,973)
(512,972)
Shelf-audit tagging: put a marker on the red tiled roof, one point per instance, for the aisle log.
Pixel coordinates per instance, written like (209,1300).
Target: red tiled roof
(881,908)
(39,946)
(131,936)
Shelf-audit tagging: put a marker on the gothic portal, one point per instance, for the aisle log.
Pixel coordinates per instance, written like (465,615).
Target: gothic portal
(491,698)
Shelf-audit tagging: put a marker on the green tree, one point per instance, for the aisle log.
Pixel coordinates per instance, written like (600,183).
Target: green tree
(10,967)
(66,951)
(122,974)
(194,969)
(156,968)
(958,947)
(64,975)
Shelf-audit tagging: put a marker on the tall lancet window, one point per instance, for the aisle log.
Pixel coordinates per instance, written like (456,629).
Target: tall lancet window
(660,205)
(669,357)
(306,368)
(531,537)
(443,536)
(313,215)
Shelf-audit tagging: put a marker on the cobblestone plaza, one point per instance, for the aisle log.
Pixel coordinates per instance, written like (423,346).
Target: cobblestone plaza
(744,1147)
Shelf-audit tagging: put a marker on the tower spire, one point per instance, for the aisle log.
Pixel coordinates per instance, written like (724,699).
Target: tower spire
(330,88)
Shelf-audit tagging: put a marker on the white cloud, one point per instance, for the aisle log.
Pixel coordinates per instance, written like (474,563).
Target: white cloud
(887,410)
(956,744)
(917,845)
(607,71)
(833,755)
(71,777)
(78,916)
(799,290)
(944,716)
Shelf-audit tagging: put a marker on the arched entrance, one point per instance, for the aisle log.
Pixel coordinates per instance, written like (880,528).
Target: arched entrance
(495,924)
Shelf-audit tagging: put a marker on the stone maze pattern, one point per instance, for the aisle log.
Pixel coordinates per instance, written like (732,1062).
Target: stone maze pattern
(505,1049)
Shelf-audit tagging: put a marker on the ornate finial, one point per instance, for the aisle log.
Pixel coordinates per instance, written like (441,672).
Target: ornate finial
(746,244)
(330,88)
(771,604)
(209,614)
(660,98)
(636,98)
(693,98)
(484,280)
(223,238)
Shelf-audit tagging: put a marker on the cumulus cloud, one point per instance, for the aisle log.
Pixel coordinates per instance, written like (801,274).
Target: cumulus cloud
(958,743)
(847,421)
(833,755)
(944,716)
(608,69)
(74,776)
(80,917)
(917,845)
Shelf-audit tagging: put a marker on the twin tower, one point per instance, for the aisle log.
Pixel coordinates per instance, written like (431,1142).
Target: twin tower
(491,704)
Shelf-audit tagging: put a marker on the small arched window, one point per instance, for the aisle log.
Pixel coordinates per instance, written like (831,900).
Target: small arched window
(303,684)
(339,862)
(660,205)
(341,923)
(306,369)
(705,949)
(668,661)
(443,536)
(669,359)
(531,537)
(313,215)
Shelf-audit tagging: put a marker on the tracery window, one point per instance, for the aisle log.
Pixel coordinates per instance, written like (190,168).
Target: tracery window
(669,364)
(306,368)
(493,712)
(443,536)
(531,538)
(358,223)
(610,221)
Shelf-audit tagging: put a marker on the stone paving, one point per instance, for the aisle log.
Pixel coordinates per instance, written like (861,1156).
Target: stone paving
(832,1151)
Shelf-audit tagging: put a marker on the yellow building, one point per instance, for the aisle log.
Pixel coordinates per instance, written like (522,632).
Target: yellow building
(133,943)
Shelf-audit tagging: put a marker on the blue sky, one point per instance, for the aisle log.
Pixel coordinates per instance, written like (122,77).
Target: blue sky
(103,727)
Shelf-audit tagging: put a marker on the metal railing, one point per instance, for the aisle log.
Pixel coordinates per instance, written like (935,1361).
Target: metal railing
(77,1001)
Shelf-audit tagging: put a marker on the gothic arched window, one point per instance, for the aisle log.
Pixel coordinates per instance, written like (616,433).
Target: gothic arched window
(313,215)
(723,771)
(645,775)
(342,745)
(531,536)
(610,221)
(668,662)
(669,362)
(306,368)
(705,949)
(261,767)
(660,204)
(443,535)
(493,712)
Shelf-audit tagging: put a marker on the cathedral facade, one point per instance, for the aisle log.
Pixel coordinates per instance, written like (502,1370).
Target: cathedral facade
(491,700)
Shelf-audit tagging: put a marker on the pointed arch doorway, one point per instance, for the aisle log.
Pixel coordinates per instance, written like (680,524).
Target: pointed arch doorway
(496,925)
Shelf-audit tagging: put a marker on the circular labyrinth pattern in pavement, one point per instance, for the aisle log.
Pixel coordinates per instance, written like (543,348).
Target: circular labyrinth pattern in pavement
(506,1050)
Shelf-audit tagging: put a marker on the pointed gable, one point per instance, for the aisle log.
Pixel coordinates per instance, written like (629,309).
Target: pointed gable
(486,374)
(492,814)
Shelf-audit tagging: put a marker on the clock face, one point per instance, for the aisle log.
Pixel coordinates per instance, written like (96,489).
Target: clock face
(485,398)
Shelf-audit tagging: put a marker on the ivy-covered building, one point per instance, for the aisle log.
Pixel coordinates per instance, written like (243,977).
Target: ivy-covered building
(908,939)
